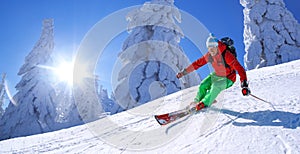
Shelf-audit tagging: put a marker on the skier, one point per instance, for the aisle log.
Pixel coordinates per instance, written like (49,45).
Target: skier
(225,66)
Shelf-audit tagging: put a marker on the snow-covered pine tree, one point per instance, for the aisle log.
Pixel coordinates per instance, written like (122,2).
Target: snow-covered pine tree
(116,108)
(151,55)
(271,33)
(86,100)
(66,110)
(35,110)
(2,94)
(107,102)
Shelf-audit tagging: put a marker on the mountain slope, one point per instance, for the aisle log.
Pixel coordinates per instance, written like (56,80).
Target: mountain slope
(236,124)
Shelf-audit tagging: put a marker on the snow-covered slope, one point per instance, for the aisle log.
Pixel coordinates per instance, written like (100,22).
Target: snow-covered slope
(236,124)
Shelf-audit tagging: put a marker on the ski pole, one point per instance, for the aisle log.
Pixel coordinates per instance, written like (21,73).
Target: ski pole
(262,100)
(182,81)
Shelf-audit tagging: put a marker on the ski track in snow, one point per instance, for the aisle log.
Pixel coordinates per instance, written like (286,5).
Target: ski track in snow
(236,124)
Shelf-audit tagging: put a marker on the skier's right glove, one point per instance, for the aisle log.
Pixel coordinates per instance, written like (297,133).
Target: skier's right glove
(181,74)
(245,89)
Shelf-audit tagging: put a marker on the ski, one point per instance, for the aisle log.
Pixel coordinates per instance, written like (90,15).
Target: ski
(164,119)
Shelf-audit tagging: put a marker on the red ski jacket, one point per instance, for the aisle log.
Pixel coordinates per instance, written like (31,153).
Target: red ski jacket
(219,66)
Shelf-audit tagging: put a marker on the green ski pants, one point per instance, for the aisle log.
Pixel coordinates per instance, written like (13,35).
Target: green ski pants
(211,87)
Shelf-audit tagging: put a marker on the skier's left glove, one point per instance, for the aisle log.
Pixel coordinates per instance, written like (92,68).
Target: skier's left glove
(245,89)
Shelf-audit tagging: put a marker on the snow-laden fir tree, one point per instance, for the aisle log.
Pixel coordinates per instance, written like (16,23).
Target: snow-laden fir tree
(86,98)
(107,102)
(66,111)
(271,33)
(2,94)
(151,55)
(35,109)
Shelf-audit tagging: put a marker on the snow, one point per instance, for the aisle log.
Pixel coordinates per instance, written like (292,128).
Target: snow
(235,124)
(151,55)
(271,33)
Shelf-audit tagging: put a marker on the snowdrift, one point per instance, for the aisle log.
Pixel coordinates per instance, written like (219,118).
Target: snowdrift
(236,124)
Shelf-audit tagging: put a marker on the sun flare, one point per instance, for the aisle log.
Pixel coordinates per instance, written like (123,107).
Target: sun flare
(64,72)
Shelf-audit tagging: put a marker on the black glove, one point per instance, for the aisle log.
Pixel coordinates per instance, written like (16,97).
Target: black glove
(181,74)
(245,90)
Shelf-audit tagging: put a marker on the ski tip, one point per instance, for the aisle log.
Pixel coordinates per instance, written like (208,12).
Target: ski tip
(160,121)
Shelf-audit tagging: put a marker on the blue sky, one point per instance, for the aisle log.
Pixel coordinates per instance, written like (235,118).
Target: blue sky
(21,25)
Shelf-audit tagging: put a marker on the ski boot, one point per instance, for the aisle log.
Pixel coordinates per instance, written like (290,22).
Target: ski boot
(199,106)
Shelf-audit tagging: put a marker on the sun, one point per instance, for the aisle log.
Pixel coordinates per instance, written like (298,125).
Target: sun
(64,72)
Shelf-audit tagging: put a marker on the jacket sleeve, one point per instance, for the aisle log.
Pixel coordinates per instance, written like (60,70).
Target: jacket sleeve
(234,63)
(198,63)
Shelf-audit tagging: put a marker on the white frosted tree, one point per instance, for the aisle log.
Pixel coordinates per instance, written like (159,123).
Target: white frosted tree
(116,108)
(35,109)
(2,94)
(271,33)
(66,111)
(86,99)
(107,102)
(151,55)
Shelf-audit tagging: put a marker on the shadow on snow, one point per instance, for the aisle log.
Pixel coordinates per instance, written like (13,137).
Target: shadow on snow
(266,118)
